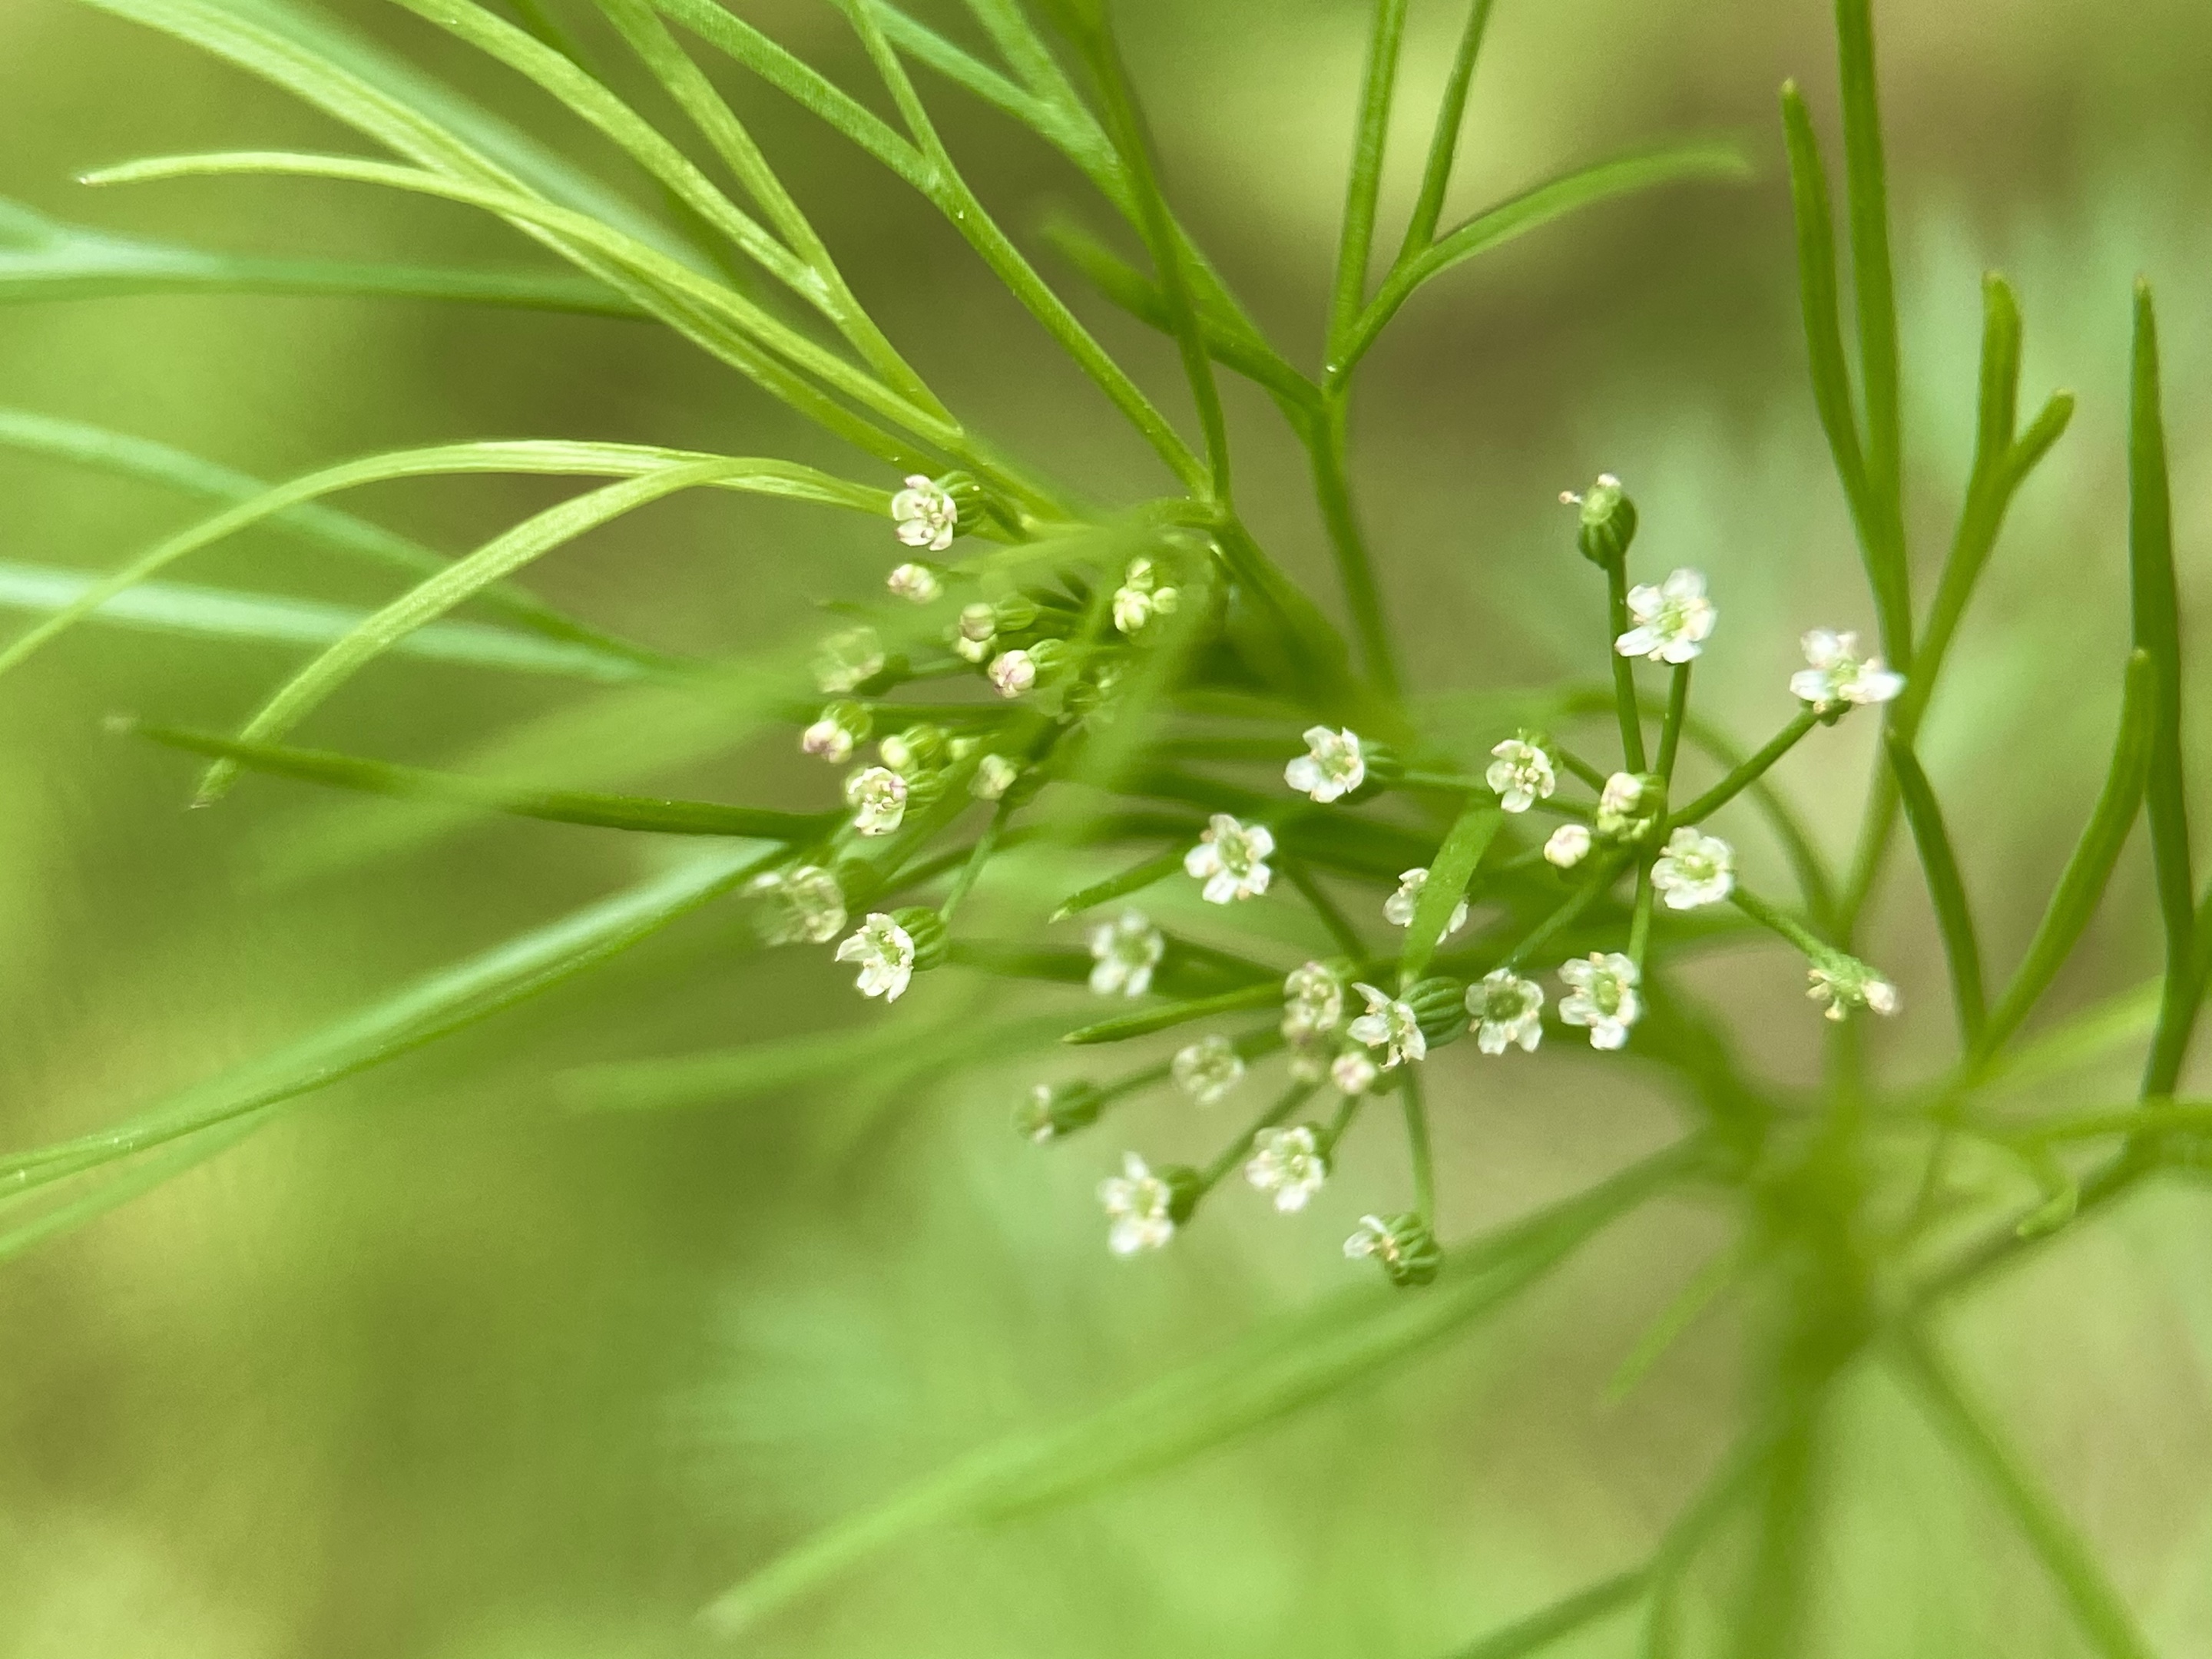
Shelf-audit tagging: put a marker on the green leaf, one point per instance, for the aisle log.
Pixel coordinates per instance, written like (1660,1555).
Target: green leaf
(431,1007)
(1134,879)
(1947,890)
(46,435)
(640,812)
(1356,246)
(497,559)
(2082,883)
(2156,608)
(1121,1030)
(41,259)
(558,458)
(1448,875)
(1282,1367)
(1623,175)
(216,613)
(1444,142)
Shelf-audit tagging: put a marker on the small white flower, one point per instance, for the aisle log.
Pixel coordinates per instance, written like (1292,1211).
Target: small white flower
(1208,1069)
(1141,597)
(1372,1238)
(1137,1203)
(916,582)
(1521,774)
(1604,997)
(1847,984)
(1011,673)
(844,661)
(807,905)
(1390,1025)
(994,776)
(1332,766)
(1624,806)
(1569,845)
(1507,1009)
(1695,869)
(828,740)
(1287,1163)
(885,952)
(1313,999)
(1353,1072)
(926,515)
(1673,620)
(1398,909)
(1125,949)
(1231,859)
(1838,675)
(973,634)
(878,798)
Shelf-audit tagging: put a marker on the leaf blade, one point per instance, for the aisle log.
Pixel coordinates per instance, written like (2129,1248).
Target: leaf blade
(1469,839)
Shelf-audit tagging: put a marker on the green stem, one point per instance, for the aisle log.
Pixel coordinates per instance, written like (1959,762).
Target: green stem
(1678,709)
(1639,925)
(1747,772)
(1332,916)
(1781,921)
(1579,901)
(1326,445)
(1346,1112)
(1377,88)
(1444,144)
(1576,764)
(1624,671)
(1416,1145)
(1237,1150)
(986,846)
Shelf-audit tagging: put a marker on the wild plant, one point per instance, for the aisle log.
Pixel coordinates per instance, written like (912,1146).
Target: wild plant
(1140,682)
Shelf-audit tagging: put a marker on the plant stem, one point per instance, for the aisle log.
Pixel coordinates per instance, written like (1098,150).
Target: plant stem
(1332,916)
(1444,144)
(1678,708)
(1748,772)
(1576,764)
(1327,444)
(1416,1145)
(1346,1113)
(1639,925)
(1780,921)
(1238,1150)
(1378,87)
(1624,671)
(1579,901)
(987,845)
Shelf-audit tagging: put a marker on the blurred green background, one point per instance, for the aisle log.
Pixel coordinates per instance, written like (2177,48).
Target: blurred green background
(439,1366)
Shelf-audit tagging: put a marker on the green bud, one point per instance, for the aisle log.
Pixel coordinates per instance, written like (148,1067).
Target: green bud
(1440,1005)
(915,750)
(1185,1188)
(924,789)
(1403,1244)
(1051,1111)
(1013,613)
(968,498)
(927,929)
(1608,522)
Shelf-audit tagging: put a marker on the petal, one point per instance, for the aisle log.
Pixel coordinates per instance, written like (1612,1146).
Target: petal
(1637,642)
(1684,584)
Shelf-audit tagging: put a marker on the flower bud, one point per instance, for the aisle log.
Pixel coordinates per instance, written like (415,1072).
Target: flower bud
(1403,1245)
(915,750)
(925,787)
(1012,614)
(834,736)
(1051,1112)
(1608,522)
(1185,1188)
(1440,1005)
(927,929)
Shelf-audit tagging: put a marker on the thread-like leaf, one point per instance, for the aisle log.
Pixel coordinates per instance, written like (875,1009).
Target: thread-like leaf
(1455,865)
(2082,882)
(1698,159)
(1947,890)
(1134,879)
(640,813)
(1356,246)
(1181,1013)
(433,1006)
(1444,142)
(1279,1368)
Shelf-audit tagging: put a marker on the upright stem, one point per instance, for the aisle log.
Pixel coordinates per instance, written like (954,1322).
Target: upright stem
(1678,709)
(1417,1146)
(1624,671)
(1327,444)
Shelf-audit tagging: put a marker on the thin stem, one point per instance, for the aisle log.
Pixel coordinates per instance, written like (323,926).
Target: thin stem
(1327,444)
(1624,671)
(1444,145)
(1576,764)
(1346,1113)
(1238,1150)
(1678,708)
(1747,772)
(1781,921)
(986,846)
(1639,925)
(1416,1145)
(1332,916)
(1578,902)
(1378,86)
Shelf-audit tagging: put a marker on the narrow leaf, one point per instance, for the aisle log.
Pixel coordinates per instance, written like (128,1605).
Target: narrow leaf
(640,812)
(1356,247)
(1444,142)
(1867,194)
(1134,879)
(1947,890)
(1448,875)
(1180,1013)
(2082,883)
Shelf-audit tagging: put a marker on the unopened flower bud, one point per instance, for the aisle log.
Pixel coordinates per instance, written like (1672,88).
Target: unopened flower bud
(1402,1245)
(1439,1007)
(1607,521)
(915,750)
(1051,1111)
(927,929)
(1013,613)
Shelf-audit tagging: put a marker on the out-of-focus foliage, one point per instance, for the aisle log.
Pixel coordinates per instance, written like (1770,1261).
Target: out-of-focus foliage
(450,1365)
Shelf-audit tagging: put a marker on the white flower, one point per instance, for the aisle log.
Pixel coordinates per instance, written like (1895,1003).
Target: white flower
(1287,1163)
(1011,673)
(972,634)
(1521,774)
(1208,1069)
(1840,675)
(878,798)
(994,776)
(1390,1025)
(1623,811)
(829,740)
(1569,845)
(1673,620)
(1313,999)
(926,516)
(917,582)
(885,952)
(1694,869)
(1604,997)
(1332,767)
(1138,1204)
(1353,1072)
(1141,597)
(844,661)
(1372,1236)
(1507,1009)
(807,905)
(1847,984)
(1231,859)
(1126,950)
(1398,909)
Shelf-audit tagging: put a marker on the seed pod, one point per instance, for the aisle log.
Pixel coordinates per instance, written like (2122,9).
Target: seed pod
(1440,1005)
(927,929)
